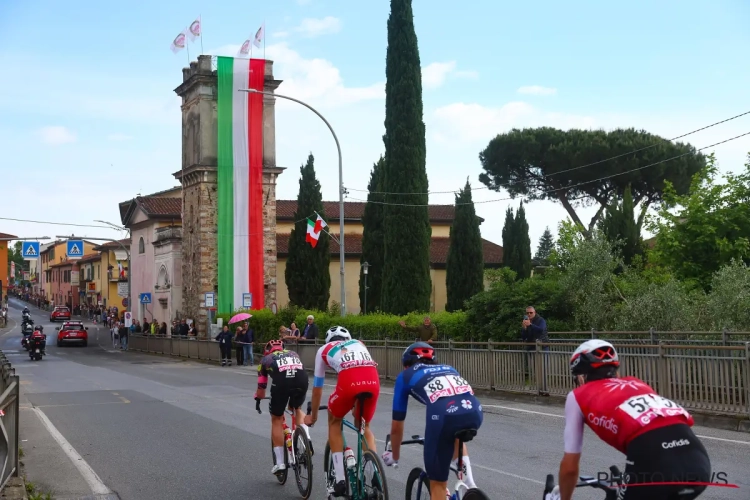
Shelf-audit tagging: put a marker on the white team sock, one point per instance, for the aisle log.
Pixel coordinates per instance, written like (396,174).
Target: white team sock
(468,474)
(307,430)
(279,451)
(338,466)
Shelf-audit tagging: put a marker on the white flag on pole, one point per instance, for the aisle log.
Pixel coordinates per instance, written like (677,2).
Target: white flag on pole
(194,31)
(179,42)
(245,49)
(259,35)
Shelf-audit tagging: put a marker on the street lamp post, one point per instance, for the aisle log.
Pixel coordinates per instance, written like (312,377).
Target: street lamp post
(127,251)
(365,267)
(341,188)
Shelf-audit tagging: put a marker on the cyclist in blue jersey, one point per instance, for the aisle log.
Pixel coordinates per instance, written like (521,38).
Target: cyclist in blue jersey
(451,407)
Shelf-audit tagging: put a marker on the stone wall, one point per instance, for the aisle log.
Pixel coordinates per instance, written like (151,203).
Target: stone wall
(199,181)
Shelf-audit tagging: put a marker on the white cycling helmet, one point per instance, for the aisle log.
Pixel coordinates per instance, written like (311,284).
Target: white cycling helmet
(338,331)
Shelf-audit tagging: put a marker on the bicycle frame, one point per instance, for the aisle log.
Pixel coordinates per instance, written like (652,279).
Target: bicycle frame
(290,448)
(609,487)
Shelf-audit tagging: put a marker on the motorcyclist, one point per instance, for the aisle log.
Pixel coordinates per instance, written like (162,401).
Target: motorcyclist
(38,336)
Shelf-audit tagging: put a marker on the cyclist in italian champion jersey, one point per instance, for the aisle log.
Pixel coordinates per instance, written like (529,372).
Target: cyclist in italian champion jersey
(289,382)
(652,431)
(450,407)
(357,373)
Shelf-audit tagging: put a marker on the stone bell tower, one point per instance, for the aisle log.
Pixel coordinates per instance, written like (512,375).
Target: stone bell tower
(198,178)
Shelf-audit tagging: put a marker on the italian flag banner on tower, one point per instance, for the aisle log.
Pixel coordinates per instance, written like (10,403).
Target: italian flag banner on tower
(240,178)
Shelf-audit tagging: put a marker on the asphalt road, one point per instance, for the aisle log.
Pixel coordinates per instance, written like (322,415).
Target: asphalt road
(157,427)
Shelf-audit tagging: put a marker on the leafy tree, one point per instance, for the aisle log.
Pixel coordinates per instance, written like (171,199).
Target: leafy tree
(465,264)
(587,167)
(699,232)
(510,247)
(15,255)
(407,232)
(372,242)
(307,273)
(523,243)
(621,228)
(545,248)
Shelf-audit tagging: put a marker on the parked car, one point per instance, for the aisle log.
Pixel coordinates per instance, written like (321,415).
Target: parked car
(59,313)
(72,332)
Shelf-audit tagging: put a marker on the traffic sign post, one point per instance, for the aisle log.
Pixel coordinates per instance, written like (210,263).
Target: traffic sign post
(247,300)
(145,298)
(128,319)
(74,249)
(210,299)
(30,250)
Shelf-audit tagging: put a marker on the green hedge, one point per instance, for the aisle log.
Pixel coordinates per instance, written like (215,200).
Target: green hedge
(371,326)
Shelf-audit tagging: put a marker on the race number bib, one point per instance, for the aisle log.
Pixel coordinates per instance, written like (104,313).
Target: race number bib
(447,385)
(356,358)
(647,407)
(290,365)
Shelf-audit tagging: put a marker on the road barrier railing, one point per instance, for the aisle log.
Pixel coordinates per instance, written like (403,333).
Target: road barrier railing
(9,419)
(712,378)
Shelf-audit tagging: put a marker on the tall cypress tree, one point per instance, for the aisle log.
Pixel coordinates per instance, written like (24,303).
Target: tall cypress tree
(523,244)
(545,248)
(619,223)
(372,242)
(465,267)
(407,232)
(510,247)
(307,273)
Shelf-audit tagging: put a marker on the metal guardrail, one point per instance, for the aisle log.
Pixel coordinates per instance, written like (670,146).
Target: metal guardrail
(710,378)
(9,420)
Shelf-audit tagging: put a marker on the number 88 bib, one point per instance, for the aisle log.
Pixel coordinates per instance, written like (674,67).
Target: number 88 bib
(445,386)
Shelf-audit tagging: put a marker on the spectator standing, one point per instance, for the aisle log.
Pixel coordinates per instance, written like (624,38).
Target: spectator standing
(426,332)
(123,337)
(248,347)
(533,330)
(183,329)
(311,329)
(224,338)
(240,340)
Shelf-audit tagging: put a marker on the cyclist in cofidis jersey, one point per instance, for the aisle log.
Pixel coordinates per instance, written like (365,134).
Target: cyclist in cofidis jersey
(451,407)
(289,388)
(652,431)
(357,373)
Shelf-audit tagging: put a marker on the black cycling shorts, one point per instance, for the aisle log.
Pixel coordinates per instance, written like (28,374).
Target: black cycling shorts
(667,454)
(288,392)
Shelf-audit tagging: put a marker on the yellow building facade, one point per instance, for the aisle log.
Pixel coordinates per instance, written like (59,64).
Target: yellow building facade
(441,219)
(55,253)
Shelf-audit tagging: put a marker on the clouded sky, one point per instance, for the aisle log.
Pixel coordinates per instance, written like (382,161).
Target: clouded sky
(89,118)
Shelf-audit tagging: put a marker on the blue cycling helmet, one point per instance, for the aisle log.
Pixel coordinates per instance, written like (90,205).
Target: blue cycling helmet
(418,351)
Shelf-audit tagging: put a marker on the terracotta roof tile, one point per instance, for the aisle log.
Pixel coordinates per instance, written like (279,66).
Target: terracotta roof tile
(493,254)
(6,235)
(353,210)
(112,245)
(93,257)
(161,206)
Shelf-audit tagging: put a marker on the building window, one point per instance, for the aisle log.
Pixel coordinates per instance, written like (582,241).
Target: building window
(141,246)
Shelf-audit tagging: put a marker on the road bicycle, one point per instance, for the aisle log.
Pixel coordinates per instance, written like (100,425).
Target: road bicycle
(356,486)
(610,486)
(418,477)
(298,454)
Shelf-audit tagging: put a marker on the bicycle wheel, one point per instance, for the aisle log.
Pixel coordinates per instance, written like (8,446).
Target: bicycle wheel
(330,474)
(281,476)
(303,465)
(377,489)
(417,485)
(475,494)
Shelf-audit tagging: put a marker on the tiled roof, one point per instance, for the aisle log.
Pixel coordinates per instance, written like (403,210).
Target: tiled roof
(112,245)
(65,263)
(493,254)
(353,210)
(161,206)
(90,258)
(6,235)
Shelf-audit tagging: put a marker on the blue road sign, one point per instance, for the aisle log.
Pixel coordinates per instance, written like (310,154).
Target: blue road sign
(75,249)
(30,250)
(145,298)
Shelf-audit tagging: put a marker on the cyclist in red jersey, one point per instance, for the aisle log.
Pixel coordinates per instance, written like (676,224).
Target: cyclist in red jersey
(652,431)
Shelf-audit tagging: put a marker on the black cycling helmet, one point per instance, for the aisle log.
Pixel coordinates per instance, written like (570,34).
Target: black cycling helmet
(418,351)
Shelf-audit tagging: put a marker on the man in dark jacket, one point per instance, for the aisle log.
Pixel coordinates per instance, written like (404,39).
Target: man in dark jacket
(311,329)
(123,332)
(224,338)
(533,330)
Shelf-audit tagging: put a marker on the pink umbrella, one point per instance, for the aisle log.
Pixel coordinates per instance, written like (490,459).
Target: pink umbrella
(240,317)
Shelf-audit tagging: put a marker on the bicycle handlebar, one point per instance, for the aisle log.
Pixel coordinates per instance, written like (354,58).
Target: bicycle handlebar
(615,478)
(309,407)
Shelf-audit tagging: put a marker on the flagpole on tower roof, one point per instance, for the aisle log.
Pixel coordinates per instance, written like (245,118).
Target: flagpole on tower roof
(200,23)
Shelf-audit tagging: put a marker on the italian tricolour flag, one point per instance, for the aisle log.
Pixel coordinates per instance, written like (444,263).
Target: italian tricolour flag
(313,230)
(240,178)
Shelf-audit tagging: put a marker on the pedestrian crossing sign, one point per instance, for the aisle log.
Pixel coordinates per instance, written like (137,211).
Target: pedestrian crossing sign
(30,250)
(75,249)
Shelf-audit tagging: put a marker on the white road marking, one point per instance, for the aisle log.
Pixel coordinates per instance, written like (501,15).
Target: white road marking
(91,478)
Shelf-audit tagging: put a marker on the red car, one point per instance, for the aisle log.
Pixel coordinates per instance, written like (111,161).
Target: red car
(60,313)
(72,332)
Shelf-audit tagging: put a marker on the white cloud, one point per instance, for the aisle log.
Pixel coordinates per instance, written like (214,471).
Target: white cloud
(56,135)
(312,27)
(469,74)
(537,90)
(435,74)
(119,137)
(316,80)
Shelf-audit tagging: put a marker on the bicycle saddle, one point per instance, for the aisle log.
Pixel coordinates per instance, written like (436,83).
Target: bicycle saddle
(466,435)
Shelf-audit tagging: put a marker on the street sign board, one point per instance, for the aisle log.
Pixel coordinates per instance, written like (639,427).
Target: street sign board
(145,298)
(210,299)
(30,250)
(122,288)
(124,302)
(75,249)
(128,319)
(247,300)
